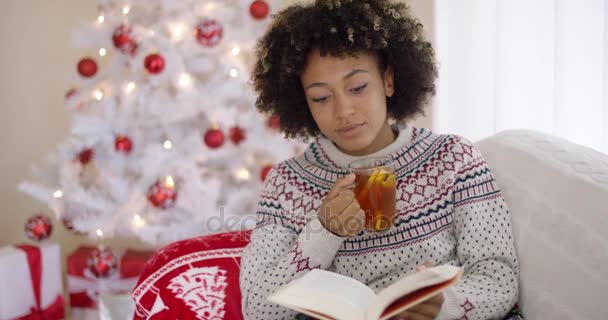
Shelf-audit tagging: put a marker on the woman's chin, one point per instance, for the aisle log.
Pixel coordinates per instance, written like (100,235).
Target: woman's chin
(353,147)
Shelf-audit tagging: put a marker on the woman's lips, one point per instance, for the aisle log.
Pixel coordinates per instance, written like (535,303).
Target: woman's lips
(351,130)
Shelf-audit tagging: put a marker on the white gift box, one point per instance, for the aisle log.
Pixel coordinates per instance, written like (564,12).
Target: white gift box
(17,294)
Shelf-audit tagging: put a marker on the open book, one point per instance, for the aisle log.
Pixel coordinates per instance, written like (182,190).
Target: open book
(329,296)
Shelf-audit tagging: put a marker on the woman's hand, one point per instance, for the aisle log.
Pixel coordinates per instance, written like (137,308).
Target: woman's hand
(426,310)
(340,212)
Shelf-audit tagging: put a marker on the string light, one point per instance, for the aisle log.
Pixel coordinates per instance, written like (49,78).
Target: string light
(167,145)
(169,183)
(99,233)
(100,19)
(102,52)
(138,222)
(58,194)
(185,80)
(98,94)
(209,6)
(177,30)
(243,174)
(130,87)
(235,51)
(234,73)
(125,10)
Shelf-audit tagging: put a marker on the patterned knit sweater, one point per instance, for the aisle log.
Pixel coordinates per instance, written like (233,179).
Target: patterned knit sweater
(449,211)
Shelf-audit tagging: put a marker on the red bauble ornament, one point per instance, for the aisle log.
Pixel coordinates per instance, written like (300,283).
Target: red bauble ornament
(209,32)
(154,63)
(274,122)
(87,67)
(214,138)
(38,227)
(71,93)
(102,263)
(236,135)
(163,193)
(259,9)
(123,144)
(123,41)
(85,156)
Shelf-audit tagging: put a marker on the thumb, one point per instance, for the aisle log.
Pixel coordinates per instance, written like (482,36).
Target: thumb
(340,184)
(427,264)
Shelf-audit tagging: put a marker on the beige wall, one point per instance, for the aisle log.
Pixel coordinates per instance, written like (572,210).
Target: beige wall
(35,62)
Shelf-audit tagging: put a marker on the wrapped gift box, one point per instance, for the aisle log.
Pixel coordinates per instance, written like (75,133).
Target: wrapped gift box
(31,282)
(85,289)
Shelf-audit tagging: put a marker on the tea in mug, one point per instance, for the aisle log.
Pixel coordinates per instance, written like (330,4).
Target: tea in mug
(375,192)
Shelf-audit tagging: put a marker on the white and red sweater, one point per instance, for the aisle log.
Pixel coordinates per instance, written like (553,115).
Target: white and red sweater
(449,211)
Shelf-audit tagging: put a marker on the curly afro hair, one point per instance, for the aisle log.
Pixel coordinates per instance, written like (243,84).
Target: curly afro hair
(341,28)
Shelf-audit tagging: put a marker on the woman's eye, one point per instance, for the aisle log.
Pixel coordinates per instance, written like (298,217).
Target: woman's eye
(321,99)
(359,88)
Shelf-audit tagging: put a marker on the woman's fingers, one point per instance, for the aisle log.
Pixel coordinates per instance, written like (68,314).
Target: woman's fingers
(426,309)
(425,265)
(408,315)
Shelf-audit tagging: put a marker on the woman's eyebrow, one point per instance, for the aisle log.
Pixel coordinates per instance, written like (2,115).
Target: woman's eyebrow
(322,84)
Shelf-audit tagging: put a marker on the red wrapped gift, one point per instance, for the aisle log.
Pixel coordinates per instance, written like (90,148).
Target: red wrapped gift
(84,287)
(30,282)
(193,279)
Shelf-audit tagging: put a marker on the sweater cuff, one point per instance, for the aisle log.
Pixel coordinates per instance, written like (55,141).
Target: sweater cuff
(452,307)
(319,243)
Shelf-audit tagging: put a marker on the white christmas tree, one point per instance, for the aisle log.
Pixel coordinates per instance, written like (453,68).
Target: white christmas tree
(165,141)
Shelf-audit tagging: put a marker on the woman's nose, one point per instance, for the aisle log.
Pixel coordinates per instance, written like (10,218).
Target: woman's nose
(344,107)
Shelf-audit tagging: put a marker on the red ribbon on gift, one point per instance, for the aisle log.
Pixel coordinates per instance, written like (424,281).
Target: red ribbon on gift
(83,286)
(55,310)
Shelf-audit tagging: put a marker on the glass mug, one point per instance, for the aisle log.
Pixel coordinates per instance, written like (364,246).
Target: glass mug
(375,189)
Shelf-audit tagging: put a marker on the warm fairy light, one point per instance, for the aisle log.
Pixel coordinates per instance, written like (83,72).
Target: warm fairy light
(167,145)
(130,87)
(210,6)
(99,233)
(243,174)
(235,51)
(58,194)
(102,52)
(177,30)
(100,19)
(138,222)
(234,73)
(185,80)
(125,10)
(169,182)
(98,94)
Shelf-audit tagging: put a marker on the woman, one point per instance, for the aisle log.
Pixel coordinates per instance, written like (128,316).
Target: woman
(342,72)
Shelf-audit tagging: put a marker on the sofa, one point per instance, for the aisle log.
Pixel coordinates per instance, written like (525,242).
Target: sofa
(557,192)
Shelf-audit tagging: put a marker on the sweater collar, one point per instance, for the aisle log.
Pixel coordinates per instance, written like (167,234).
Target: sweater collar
(341,159)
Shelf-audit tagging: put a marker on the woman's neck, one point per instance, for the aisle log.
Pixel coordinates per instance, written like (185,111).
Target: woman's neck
(402,135)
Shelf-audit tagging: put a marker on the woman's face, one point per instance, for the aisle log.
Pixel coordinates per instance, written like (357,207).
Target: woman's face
(347,99)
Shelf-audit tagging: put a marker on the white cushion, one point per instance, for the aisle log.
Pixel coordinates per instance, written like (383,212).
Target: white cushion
(557,192)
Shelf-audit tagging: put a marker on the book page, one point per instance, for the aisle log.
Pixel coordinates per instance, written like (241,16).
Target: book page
(413,289)
(326,293)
